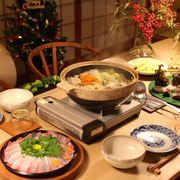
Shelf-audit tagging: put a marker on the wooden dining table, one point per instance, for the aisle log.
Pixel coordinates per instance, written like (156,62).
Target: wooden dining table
(94,166)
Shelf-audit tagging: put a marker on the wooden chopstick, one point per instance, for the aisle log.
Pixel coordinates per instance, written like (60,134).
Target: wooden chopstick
(169,111)
(155,169)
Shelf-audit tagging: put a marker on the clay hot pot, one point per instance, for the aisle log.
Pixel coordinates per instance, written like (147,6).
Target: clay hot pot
(98,98)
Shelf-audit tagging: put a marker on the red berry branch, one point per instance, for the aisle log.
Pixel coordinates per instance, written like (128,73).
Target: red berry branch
(158,15)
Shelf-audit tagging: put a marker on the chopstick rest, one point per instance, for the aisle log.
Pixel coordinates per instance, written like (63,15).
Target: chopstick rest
(155,169)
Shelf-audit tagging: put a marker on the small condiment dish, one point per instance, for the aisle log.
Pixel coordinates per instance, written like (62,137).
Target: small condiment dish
(122,151)
(15,98)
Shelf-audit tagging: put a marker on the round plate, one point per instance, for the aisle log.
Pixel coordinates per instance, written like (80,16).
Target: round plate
(149,62)
(65,141)
(159,95)
(156,138)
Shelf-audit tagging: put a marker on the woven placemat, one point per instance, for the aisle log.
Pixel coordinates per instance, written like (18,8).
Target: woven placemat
(7,127)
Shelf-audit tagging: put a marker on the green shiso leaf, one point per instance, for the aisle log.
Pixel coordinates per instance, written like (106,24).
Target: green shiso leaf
(49,146)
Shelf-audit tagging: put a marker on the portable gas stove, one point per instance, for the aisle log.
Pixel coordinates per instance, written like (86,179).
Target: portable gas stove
(84,124)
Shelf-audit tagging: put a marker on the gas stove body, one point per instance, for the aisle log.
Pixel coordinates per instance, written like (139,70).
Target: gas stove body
(83,124)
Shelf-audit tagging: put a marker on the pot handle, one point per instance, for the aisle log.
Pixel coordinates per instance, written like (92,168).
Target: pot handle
(65,86)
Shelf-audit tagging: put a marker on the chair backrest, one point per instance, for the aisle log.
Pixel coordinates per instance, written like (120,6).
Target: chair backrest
(54,45)
(4,85)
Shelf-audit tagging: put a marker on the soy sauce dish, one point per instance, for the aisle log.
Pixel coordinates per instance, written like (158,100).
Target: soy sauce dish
(122,151)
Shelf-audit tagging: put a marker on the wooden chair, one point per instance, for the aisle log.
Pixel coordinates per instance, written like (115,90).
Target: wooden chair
(4,85)
(54,45)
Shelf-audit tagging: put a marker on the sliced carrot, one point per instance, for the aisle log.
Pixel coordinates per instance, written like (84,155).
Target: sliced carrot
(55,162)
(87,79)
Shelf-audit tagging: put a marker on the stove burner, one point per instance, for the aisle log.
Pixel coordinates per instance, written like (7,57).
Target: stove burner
(97,105)
(102,110)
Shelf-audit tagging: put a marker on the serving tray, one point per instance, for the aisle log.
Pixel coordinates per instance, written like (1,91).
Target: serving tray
(69,173)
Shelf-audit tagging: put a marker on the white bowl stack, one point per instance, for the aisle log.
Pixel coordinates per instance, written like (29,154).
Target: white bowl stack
(16,98)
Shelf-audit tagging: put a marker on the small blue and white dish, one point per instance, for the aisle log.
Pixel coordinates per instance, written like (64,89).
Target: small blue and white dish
(156,138)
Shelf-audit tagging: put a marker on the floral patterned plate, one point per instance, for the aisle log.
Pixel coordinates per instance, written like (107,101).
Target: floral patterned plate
(156,138)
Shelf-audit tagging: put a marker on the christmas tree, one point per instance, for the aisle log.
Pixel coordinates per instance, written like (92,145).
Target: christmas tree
(34,23)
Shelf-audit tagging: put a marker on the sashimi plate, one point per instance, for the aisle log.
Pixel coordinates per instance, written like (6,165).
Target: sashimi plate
(156,138)
(31,166)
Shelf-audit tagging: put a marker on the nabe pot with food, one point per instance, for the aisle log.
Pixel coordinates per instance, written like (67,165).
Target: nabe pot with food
(98,84)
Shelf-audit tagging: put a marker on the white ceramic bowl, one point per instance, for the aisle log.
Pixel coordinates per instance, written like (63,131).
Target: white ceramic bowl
(122,151)
(16,98)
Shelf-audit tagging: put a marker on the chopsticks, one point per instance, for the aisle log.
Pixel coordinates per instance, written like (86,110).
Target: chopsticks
(155,169)
(169,111)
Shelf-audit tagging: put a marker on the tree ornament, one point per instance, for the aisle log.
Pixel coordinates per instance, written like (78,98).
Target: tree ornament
(10,39)
(24,49)
(10,22)
(25,24)
(20,23)
(17,56)
(46,23)
(32,19)
(19,37)
(52,23)
(15,38)
(18,10)
(37,28)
